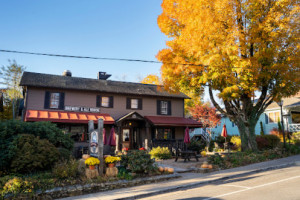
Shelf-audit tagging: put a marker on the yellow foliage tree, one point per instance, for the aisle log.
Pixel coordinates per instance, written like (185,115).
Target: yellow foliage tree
(152,79)
(195,95)
(237,48)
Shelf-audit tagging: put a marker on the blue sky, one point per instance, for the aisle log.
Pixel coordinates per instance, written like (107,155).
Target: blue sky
(114,28)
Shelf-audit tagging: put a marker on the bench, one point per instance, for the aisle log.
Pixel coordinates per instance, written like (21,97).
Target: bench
(186,155)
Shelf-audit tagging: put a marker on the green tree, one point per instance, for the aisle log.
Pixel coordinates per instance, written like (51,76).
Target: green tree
(10,77)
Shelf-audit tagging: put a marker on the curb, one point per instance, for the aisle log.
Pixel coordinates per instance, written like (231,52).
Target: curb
(75,190)
(176,188)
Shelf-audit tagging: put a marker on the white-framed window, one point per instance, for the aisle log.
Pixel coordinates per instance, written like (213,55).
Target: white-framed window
(105,102)
(164,107)
(134,103)
(54,100)
(274,117)
(295,117)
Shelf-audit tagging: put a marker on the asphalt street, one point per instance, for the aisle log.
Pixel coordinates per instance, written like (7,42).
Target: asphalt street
(280,184)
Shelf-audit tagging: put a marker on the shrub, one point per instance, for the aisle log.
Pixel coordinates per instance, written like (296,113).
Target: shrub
(267,141)
(295,138)
(293,149)
(220,140)
(65,169)
(64,154)
(196,145)
(16,186)
(9,131)
(236,140)
(124,174)
(273,140)
(138,162)
(216,160)
(160,153)
(262,143)
(33,154)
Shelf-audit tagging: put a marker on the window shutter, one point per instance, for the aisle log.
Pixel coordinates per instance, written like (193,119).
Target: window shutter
(111,101)
(128,103)
(61,101)
(140,106)
(266,118)
(158,107)
(169,108)
(98,101)
(47,100)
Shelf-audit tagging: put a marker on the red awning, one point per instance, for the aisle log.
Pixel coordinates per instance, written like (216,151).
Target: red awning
(66,117)
(173,121)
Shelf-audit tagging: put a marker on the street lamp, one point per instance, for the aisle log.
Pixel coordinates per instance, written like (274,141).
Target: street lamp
(280,103)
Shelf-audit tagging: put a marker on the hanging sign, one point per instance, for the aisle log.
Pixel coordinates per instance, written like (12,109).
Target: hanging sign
(94,144)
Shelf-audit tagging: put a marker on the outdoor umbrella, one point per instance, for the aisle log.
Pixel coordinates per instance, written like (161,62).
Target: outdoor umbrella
(187,136)
(104,137)
(112,137)
(224,132)
(82,137)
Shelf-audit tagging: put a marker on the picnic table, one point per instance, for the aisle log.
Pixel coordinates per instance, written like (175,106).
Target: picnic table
(186,155)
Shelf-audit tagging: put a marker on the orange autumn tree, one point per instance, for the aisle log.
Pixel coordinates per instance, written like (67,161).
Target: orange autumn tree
(206,114)
(236,48)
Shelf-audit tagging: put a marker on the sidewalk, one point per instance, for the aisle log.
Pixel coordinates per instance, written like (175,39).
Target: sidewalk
(189,180)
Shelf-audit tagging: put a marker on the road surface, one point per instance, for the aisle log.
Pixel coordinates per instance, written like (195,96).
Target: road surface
(280,184)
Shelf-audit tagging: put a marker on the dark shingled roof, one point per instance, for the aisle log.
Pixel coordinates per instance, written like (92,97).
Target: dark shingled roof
(77,83)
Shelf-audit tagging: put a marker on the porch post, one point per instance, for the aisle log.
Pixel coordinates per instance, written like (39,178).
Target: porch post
(148,136)
(118,134)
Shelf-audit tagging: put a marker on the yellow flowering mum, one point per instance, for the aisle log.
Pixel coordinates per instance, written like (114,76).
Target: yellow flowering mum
(92,161)
(112,159)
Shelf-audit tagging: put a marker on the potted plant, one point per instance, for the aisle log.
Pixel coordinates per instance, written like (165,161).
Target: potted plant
(111,161)
(91,162)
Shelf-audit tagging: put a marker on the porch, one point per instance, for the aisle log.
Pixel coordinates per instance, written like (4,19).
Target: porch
(294,128)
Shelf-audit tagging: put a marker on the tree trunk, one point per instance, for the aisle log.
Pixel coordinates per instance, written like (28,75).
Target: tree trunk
(247,133)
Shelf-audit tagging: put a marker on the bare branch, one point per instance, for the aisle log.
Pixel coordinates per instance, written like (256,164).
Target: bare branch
(218,107)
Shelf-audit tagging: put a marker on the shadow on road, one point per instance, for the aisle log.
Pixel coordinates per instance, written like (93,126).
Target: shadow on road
(232,180)
(198,198)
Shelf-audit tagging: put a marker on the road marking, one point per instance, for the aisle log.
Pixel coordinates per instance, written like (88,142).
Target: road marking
(237,186)
(271,183)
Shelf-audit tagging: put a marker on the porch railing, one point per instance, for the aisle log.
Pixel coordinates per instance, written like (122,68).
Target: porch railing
(294,128)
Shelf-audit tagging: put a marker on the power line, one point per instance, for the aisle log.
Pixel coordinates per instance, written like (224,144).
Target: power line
(101,58)
(90,57)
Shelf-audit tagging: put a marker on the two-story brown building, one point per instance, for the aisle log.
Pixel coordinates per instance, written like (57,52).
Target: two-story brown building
(140,113)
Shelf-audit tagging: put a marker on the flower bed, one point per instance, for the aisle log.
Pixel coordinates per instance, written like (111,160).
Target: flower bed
(237,159)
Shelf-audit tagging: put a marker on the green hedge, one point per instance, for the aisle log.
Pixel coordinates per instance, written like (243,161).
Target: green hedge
(10,130)
(33,154)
